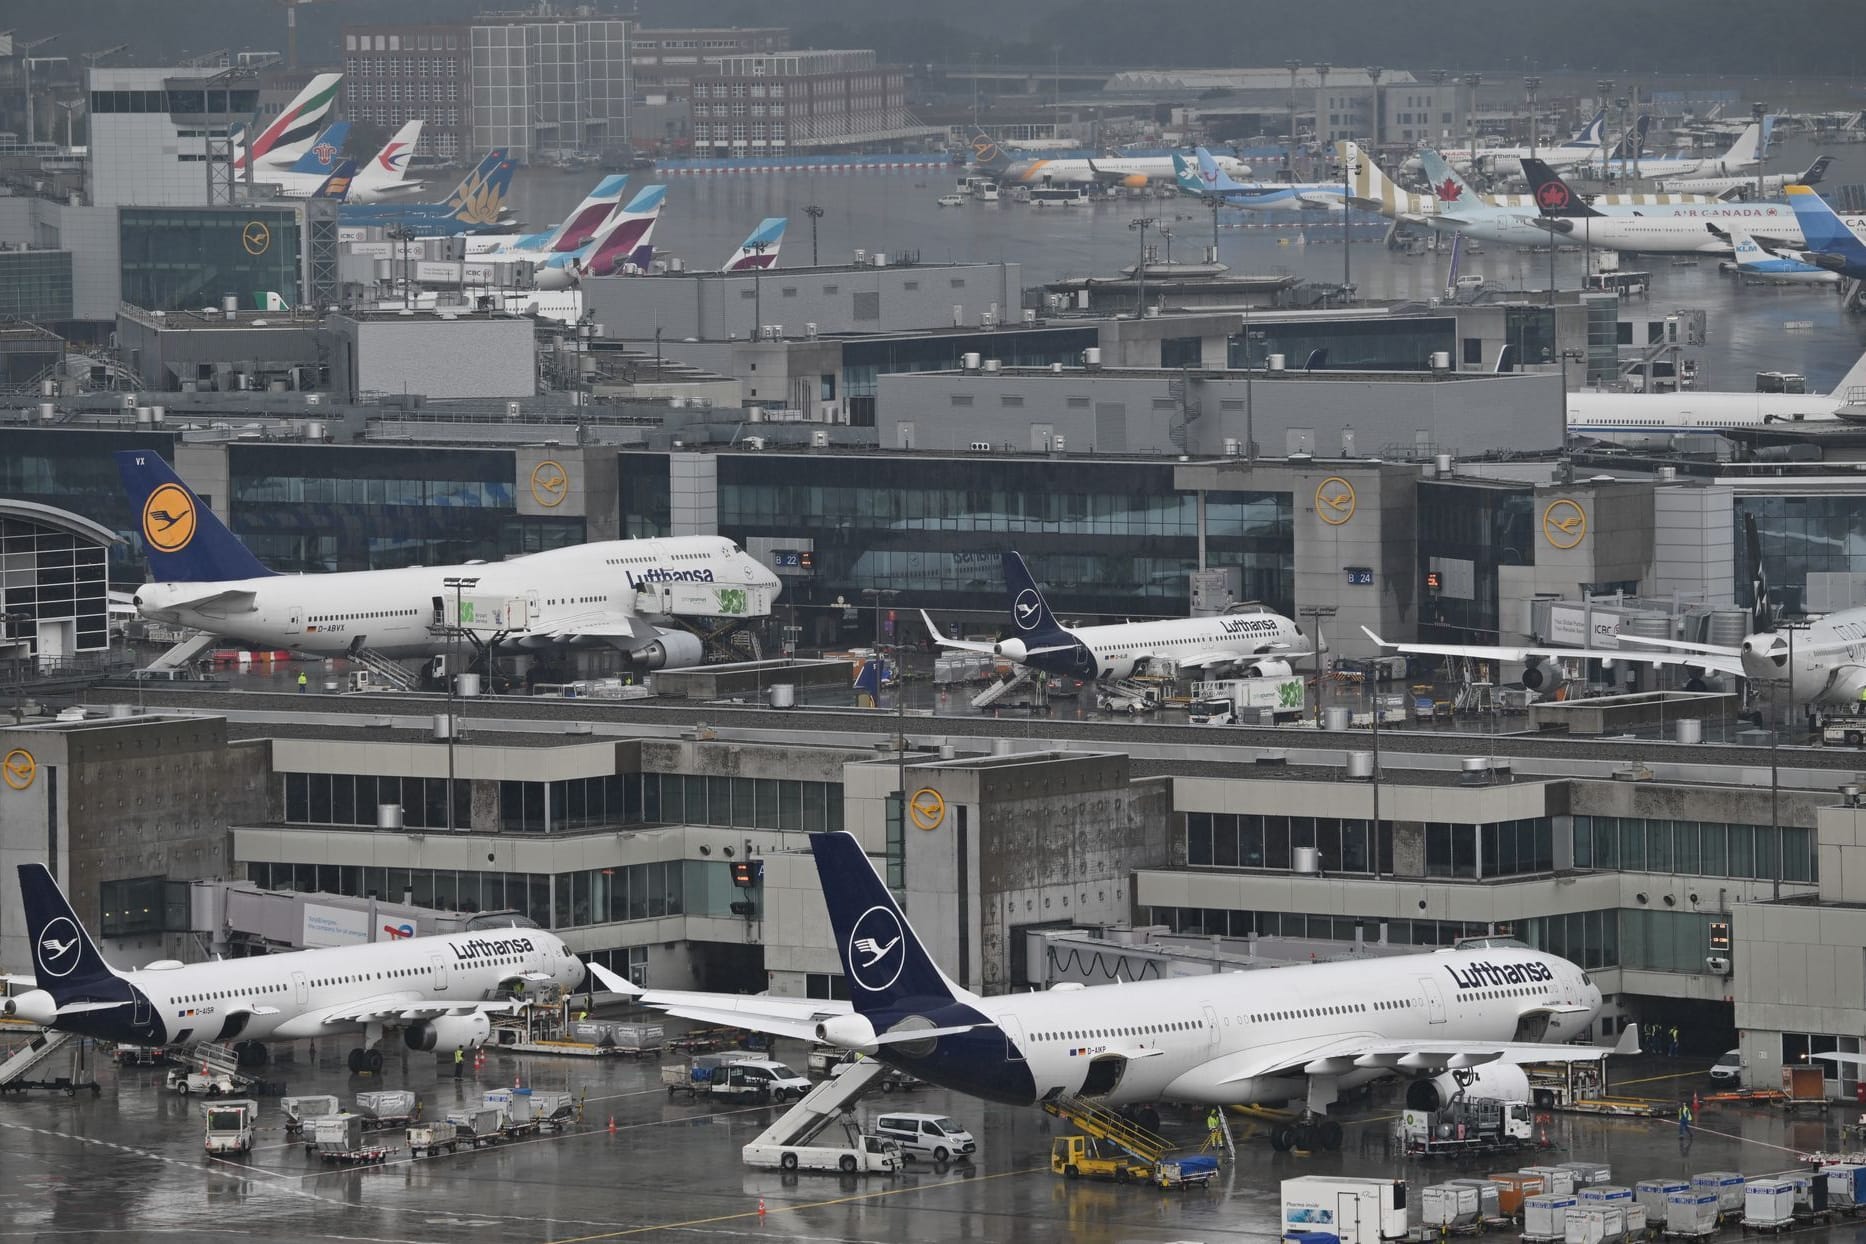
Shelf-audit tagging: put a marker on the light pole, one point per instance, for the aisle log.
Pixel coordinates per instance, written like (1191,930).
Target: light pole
(815,214)
(1321,102)
(404,234)
(1141,224)
(1166,235)
(879,594)
(1532,84)
(1214,201)
(1438,83)
(1602,88)
(1567,357)
(1757,110)
(1374,73)
(758,314)
(1472,80)
(1289,170)
(1348,169)
(1315,614)
(1625,134)
(458,584)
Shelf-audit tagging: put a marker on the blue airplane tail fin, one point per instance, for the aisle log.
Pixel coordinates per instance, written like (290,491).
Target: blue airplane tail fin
(1820,227)
(1816,171)
(1030,613)
(887,966)
(185,542)
(64,958)
(325,150)
(337,185)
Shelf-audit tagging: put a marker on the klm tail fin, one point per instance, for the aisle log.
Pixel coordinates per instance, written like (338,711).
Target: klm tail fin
(186,543)
(64,958)
(1552,195)
(1815,171)
(1030,613)
(889,970)
(337,185)
(324,153)
(760,250)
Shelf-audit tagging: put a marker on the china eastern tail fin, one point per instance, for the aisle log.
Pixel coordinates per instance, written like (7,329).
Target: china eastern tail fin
(325,152)
(185,542)
(387,171)
(760,250)
(888,968)
(65,961)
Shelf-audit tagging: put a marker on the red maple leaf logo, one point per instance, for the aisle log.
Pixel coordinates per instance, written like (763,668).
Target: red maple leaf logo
(1552,195)
(1448,191)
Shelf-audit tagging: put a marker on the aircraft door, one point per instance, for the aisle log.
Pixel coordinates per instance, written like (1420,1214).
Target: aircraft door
(439,982)
(1211,1025)
(139,1014)
(1434,1000)
(301,989)
(294,621)
(1013,1031)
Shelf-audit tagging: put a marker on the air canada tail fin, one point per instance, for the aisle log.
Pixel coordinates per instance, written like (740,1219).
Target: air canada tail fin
(1552,195)
(185,542)
(325,152)
(64,958)
(888,968)
(760,250)
(1452,192)
(1030,613)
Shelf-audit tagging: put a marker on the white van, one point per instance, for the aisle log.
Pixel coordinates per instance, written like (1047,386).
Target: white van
(930,1135)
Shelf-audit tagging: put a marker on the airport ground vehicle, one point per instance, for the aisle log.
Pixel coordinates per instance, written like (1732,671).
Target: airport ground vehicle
(927,1135)
(1354,1211)
(736,1077)
(230,1125)
(1228,701)
(1082,1157)
(862,1153)
(1728,1068)
(431,1138)
(1467,1125)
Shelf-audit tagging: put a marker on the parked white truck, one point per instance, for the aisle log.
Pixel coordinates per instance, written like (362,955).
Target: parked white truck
(230,1125)
(1229,701)
(1354,1211)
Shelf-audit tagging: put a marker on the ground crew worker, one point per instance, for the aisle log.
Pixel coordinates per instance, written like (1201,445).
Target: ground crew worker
(303,682)
(459,1060)
(1674,1040)
(1862,703)
(1215,1125)
(1684,1125)
(582,1015)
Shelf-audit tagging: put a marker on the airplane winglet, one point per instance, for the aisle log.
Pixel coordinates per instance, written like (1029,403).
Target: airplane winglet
(1629,1040)
(1381,642)
(613,983)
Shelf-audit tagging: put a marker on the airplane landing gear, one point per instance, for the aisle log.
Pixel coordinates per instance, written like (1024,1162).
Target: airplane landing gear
(253,1053)
(365,1060)
(1306,1134)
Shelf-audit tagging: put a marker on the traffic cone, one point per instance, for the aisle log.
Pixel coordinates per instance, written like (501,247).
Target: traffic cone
(515,1079)
(612,1125)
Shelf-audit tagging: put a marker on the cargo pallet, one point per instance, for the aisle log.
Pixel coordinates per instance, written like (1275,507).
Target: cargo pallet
(574,1049)
(367,1155)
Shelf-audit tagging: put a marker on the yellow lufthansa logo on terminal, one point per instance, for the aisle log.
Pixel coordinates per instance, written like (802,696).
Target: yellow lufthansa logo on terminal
(19,768)
(927,807)
(256,238)
(1564,523)
(1334,501)
(168,519)
(550,484)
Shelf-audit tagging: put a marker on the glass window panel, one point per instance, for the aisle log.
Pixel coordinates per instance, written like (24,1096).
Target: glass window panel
(1276,842)
(1464,850)
(699,812)
(790,805)
(1354,847)
(1713,843)
(1249,840)
(1632,844)
(1583,842)
(1659,846)
(1768,851)
(1224,841)
(1198,838)
(1741,851)
(815,807)
(1685,855)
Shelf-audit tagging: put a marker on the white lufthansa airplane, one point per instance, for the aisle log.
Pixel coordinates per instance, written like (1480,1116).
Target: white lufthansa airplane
(1302,1033)
(1254,644)
(440,992)
(1582,146)
(584,595)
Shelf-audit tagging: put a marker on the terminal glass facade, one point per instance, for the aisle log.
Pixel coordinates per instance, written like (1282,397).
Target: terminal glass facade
(1473,852)
(319,508)
(864,362)
(1800,536)
(35,285)
(74,470)
(180,258)
(1695,848)
(1398,343)
(1465,533)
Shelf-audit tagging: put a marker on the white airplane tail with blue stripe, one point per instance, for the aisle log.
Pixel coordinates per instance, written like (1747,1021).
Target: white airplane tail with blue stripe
(760,250)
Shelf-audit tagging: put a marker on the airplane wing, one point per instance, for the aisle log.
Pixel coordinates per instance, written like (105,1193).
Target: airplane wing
(1201,660)
(233,599)
(1340,1055)
(401,1008)
(1488,652)
(961,644)
(601,624)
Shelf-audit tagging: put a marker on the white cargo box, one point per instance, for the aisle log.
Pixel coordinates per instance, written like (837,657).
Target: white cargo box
(1489,1196)
(1768,1203)
(1545,1216)
(1586,1173)
(1691,1213)
(1592,1224)
(1448,1205)
(1635,1218)
(1556,1180)
(1355,1211)
(1728,1185)
(1652,1194)
(1604,1193)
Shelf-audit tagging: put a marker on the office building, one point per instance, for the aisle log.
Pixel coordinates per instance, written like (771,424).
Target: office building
(159,136)
(801,101)
(550,87)
(398,72)
(664,65)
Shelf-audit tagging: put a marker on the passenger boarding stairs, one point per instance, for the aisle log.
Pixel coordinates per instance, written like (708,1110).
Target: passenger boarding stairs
(998,690)
(33,1054)
(184,652)
(831,1101)
(394,673)
(1104,1124)
(217,1060)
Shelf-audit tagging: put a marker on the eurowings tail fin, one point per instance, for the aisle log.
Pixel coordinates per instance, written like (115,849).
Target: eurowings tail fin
(583,220)
(760,250)
(623,238)
(325,151)
(185,541)
(889,971)
(65,960)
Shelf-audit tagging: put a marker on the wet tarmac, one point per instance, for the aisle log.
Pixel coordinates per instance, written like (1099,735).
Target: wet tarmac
(128,1165)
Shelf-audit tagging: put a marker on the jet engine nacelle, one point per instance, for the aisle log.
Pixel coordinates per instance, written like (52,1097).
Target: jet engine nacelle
(1491,1082)
(448,1032)
(1535,674)
(1268,669)
(673,650)
(848,1032)
(1014,650)
(35,1006)
(1135,181)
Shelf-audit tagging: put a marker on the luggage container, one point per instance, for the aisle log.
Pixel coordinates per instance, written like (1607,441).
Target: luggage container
(1604,1194)
(1587,1173)
(1454,1206)
(431,1138)
(387,1108)
(1728,1185)
(1652,1194)
(1635,1218)
(1592,1224)
(1354,1211)
(1489,1197)
(479,1127)
(553,1111)
(1768,1204)
(1846,1185)
(299,1111)
(1556,1180)
(1512,1187)
(1692,1213)
(340,1139)
(1545,1216)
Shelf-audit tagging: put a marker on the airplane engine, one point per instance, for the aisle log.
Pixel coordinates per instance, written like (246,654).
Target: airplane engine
(673,650)
(1013,650)
(1135,181)
(448,1031)
(1268,669)
(1535,676)
(35,1006)
(849,1032)
(1491,1082)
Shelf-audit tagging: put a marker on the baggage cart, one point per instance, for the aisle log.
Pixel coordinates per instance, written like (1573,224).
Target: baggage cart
(1451,1206)
(478,1127)
(1489,1198)
(1194,1170)
(339,1138)
(1652,1195)
(1804,1088)
(1768,1205)
(1692,1214)
(1545,1217)
(299,1111)
(1846,1186)
(1728,1185)
(1594,1223)
(1586,1173)
(1512,1187)
(1636,1219)
(387,1108)
(431,1138)
(554,1111)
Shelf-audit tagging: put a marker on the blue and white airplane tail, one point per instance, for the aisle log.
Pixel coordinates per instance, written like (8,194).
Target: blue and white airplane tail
(1030,613)
(65,960)
(185,541)
(1588,136)
(760,250)
(1211,172)
(1450,192)
(1831,244)
(889,971)
(1186,176)
(326,152)
(337,185)
(480,196)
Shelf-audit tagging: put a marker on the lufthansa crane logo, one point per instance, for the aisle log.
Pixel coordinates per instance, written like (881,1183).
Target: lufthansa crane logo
(927,807)
(59,944)
(877,949)
(1334,501)
(1027,608)
(168,519)
(256,238)
(19,768)
(1564,523)
(550,484)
